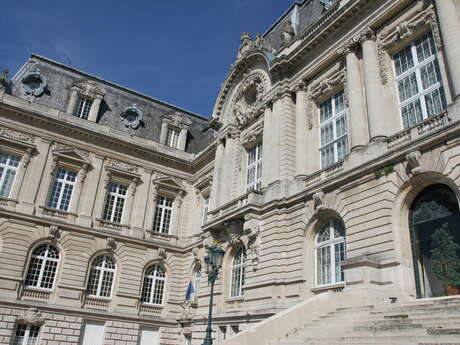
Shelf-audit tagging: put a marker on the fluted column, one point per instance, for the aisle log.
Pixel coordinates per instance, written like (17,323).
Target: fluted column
(357,116)
(379,123)
(216,185)
(301,131)
(267,146)
(450,27)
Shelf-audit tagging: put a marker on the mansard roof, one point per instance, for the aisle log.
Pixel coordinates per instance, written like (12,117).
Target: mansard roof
(60,78)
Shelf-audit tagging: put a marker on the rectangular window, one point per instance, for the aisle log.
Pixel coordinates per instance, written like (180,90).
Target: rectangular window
(419,82)
(61,193)
(94,333)
(83,107)
(26,335)
(114,202)
(8,167)
(163,213)
(172,137)
(333,130)
(254,178)
(204,217)
(149,336)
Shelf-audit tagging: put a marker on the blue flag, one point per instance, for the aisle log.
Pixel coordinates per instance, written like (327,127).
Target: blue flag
(190,291)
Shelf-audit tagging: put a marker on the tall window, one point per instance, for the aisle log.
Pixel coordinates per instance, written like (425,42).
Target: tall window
(172,137)
(101,276)
(197,284)
(418,78)
(333,130)
(63,185)
(254,180)
(83,107)
(330,252)
(163,212)
(154,285)
(204,217)
(26,335)
(114,202)
(238,273)
(42,267)
(8,167)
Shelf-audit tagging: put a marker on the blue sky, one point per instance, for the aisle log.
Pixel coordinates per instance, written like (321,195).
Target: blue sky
(175,50)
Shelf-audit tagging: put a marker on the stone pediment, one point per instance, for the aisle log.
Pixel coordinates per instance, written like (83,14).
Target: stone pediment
(72,154)
(169,183)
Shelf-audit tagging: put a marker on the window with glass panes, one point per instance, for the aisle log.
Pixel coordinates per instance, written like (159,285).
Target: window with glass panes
(330,252)
(163,211)
(61,193)
(419,82)
(25,334)
(154,285)
(42,267)
(197,284)
(333,130)
(172,137)
(254,178)
(204,217)
(114,202)
(238,273)
(83,107)
(101,276)
(8,167)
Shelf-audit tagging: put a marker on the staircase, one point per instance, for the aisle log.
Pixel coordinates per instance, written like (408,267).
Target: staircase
(422,322)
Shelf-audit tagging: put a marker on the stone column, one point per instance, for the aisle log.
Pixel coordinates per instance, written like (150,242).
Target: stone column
(177,203)
(301,148)
(214,201)
(379,122)
(227,168)
(284,111)
(274,133)
(357,116)
(267,146)
(450,27)
(94,109)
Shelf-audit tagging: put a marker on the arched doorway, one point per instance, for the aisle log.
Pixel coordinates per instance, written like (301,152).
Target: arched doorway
(435,206)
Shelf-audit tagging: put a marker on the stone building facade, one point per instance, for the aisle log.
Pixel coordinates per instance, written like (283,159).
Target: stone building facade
(330,159)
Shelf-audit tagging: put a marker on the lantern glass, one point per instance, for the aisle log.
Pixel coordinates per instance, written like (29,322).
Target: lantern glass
(217,257)
(207,261)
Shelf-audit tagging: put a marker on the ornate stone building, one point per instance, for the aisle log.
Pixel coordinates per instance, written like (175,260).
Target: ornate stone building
(329,163)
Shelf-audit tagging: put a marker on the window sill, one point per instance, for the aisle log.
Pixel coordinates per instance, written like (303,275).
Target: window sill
(97,302)
(55,213)
(8,202)
(111,225)
(151,309)
(36,294)
(235,299)
(331,287)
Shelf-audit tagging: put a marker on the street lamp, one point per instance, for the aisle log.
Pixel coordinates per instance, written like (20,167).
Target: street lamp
(213,263)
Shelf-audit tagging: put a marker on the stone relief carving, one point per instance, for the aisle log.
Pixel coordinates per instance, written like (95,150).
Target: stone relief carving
(177,119)
(114,163)
(133,186)
(163,254)
(4,79)
(187,311)
(54,232)
(31,316)
(328,85)
(250,137)
(414,162)
(287,32)
(34,84)
(248,44)
(318,199)
(88,88)
(13,134)
(251,230)
(132,117)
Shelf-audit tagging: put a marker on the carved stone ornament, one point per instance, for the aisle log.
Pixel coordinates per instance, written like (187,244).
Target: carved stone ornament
(327,3)
(33,83)
(4,79)
(54,232)
(26,157)
(89,88)
(328,85)
(121,165)
(252,240)
(287,32)
(177,119)
(318,199)
(248,44)
(16,135)
(31,316)
(187,311)
(132,117)
(248,104)
(111,243)
(133,186)
(252,135)
(414,162)
(163,254)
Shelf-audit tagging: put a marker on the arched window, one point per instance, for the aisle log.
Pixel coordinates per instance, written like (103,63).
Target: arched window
(330,252)
(101,276)
(154,285)
(238,273)
(42,267)
(197,283)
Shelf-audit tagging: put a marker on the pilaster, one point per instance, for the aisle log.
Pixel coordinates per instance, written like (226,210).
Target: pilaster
(214,200)
(267,146)
(302,150)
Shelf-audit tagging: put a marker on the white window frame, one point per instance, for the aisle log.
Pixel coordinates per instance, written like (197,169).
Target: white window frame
(83,107)
(420,95)
(161,210)
(336,115)
(254,169)
(238,275)
(68,181)
(109,212)
(104,271)
(204,216)
(26,339)
(10,169)
(43,259)
(172,137)
(153,278)
(331,243)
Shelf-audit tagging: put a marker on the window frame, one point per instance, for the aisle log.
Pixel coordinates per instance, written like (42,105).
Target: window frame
(335,116)
(83,111)
(109,212)
(238,274)
(205,211)
(172,137)
(254,168)
(6,168)
(197,275)
(160,214)
(64,183)
(101,275)
(416,69)
(153,280)
(26,338)
(331,244)
(44,260)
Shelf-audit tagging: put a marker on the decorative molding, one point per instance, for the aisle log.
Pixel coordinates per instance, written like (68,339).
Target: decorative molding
(26,157)
(414,162)
(252,241)
(132,117)
(318,199)
(252,135)
(119,165)
(133,186)
(88,88)
(34,84)
(16,135)
(162,254)
(177,119)
(328,85)
(249,45)
(111,243)
(55,232)
(31,316)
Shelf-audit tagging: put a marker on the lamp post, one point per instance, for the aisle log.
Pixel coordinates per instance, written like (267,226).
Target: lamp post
(213,263)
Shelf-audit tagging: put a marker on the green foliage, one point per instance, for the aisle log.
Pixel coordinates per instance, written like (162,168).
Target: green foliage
(445,256)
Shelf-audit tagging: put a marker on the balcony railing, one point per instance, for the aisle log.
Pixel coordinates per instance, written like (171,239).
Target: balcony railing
(35,294)
(150,309)
(95,302)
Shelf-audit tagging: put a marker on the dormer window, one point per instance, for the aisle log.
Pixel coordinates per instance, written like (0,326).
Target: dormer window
(174,129)
(172,138)
(83,108)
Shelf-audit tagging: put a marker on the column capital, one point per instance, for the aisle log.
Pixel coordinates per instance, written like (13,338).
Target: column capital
(299,86)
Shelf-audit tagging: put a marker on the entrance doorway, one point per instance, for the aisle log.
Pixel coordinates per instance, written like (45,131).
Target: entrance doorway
(435,206)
